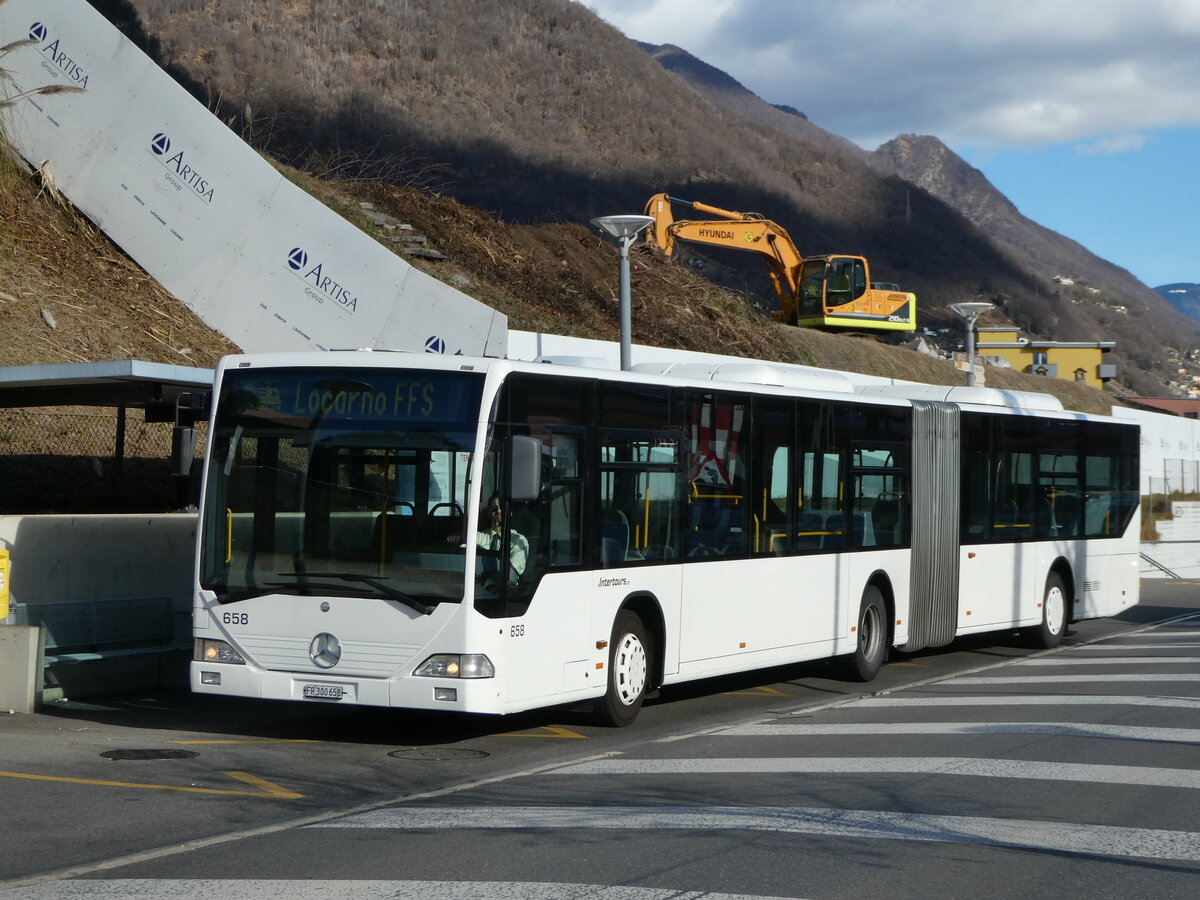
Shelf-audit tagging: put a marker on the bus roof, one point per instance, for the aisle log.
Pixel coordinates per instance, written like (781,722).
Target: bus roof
(750,373)
(966,396)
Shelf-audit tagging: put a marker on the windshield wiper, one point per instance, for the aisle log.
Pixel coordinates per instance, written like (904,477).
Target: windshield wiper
(227,594)
(392,593)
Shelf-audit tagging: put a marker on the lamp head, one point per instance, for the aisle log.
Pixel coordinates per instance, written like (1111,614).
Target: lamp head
(971,311)
(623,226)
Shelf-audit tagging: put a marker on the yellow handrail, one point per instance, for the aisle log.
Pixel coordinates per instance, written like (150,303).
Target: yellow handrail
(644,538)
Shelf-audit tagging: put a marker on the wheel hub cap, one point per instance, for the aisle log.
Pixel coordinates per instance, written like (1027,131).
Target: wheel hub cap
(630,665)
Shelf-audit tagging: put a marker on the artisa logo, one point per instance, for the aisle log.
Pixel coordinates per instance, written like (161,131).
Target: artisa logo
(322,285)
(160,146)
(54,52)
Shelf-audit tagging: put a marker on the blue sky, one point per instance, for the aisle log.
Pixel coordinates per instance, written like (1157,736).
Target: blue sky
(1084,113)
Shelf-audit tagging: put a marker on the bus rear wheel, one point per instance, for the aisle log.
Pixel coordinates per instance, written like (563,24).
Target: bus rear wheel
(629,655)
(871,651)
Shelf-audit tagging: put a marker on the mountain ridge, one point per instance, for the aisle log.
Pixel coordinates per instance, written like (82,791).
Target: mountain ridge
(1184,296)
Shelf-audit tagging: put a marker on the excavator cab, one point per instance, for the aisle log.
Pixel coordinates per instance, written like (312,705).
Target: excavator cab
(835,292)
(828,281)
(846,280)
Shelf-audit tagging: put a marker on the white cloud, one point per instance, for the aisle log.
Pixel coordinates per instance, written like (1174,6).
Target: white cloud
(1113,145)
(983,73)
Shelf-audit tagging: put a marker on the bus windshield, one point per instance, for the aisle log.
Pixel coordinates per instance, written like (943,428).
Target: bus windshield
(339,481)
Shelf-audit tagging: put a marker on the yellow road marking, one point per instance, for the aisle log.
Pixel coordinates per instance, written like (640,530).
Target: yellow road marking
(265,788)
(555,732)
(758,691)
(273,741)
(911,664)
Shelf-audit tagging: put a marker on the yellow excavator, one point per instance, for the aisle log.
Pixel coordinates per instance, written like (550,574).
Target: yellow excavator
(832,291)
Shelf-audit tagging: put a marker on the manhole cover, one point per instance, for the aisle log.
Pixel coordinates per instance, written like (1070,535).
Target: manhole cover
(437,754)
(149,754)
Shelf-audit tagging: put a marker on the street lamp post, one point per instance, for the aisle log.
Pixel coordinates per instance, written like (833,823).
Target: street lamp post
(970,312)
(626,230)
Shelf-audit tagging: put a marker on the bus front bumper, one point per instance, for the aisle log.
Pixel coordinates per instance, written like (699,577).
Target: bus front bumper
(474,695)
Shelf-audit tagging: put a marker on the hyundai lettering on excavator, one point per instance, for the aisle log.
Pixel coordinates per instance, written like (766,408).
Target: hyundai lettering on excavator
(832,291)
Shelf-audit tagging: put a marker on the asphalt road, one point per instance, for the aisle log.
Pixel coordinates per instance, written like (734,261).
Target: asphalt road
(980,769)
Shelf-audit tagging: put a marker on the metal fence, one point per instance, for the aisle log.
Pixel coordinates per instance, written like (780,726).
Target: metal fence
(1180,476)
(88,461)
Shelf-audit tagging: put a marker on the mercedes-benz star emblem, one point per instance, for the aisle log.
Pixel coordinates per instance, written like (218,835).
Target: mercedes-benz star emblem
(325,650)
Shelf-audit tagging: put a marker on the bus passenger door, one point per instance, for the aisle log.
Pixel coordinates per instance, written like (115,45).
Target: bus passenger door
(546,614)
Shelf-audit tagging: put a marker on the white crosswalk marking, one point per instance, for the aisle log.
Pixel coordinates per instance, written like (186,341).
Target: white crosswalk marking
(263,889)
(1172,632)
(1033,700)
(854,823)
(1111,661)
(1118,732)
(1145,776)
(1191,645)
(1059,679)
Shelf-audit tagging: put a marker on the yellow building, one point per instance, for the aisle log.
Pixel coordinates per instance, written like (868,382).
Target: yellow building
(1069,360)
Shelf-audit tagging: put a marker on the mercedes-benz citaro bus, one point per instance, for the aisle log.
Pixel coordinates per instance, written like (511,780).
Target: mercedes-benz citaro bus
(489,536)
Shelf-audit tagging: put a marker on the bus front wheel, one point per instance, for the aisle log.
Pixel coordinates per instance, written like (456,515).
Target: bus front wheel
(1050,633)
(872,631)
(628,671)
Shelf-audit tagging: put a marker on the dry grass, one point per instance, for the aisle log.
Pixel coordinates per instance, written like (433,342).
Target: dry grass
(68,294)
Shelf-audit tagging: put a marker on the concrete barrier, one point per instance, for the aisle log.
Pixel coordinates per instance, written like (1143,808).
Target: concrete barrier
(20,669)
(67,559)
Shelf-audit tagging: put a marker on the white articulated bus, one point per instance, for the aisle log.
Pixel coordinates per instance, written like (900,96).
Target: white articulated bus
(490,536)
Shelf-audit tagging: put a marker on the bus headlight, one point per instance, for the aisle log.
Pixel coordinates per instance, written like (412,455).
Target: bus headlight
(457,665)
(204,650)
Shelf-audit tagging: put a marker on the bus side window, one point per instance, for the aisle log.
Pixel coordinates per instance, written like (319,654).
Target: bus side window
(719,505)
(1059,480)
(773,526)
(1109,482)
(566,490)
(880,496)
(978,484)
(639,497)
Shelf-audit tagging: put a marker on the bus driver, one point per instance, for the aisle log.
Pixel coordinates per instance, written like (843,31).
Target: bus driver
(491,537)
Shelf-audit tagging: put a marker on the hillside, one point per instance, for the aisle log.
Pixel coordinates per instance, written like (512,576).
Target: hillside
(67,294)
(540,112)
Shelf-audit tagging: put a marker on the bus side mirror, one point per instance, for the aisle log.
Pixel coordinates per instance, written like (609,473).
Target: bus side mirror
(183,449)
(523,473)
(190,406)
